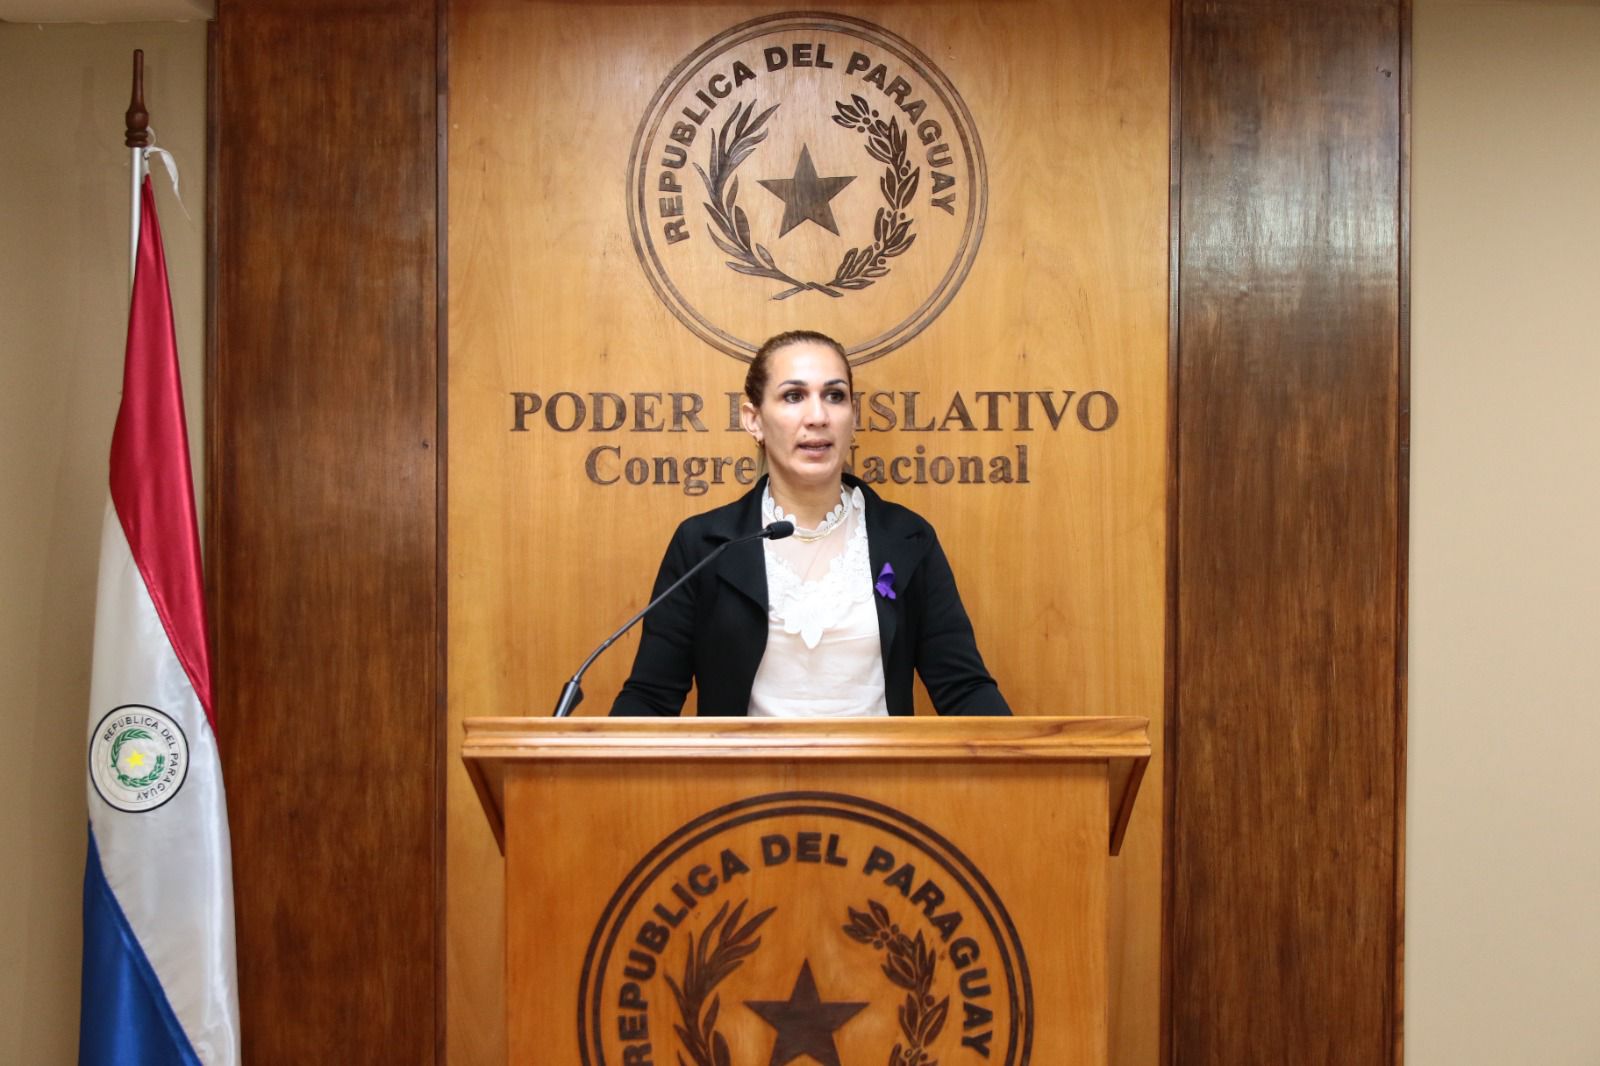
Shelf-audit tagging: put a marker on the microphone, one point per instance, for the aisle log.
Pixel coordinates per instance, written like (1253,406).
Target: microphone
(572,691)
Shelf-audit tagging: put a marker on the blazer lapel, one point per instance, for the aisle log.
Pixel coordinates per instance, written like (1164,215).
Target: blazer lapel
(744,567)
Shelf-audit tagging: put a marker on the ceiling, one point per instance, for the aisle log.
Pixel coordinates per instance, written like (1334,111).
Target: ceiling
(106,10)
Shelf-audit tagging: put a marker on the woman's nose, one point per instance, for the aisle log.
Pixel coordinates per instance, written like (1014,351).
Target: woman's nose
(816,413)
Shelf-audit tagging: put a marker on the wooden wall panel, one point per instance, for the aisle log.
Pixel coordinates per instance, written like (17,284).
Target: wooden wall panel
(323,439)
(323,427)
(1286,741)
(1063,575)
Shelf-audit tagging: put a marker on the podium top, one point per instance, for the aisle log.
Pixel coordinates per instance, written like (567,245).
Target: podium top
(492,746)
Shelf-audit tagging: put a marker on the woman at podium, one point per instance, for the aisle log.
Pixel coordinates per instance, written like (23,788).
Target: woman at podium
(830,621)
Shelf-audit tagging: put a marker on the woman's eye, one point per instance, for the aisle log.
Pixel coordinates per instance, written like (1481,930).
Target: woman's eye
(792,396)
(835,396)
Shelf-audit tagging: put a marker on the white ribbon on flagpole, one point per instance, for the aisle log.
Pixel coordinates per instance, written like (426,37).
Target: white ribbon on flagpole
(141,167)
(172,171)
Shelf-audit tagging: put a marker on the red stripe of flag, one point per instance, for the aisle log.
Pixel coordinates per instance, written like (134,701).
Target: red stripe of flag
(151,481)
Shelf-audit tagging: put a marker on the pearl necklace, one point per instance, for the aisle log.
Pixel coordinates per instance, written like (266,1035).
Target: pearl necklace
(830,522)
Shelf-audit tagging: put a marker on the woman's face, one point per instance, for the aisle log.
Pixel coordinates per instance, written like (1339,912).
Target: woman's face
(806,416)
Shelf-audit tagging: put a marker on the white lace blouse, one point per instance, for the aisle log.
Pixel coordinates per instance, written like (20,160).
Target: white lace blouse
(823,656)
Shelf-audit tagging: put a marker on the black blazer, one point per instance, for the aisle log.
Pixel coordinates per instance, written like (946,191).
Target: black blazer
(713,631)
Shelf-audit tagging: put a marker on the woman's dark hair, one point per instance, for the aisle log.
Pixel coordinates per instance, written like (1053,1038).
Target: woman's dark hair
(755,380)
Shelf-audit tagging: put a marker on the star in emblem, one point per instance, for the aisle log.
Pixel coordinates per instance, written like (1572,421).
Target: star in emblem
(804,1023)
(805,196)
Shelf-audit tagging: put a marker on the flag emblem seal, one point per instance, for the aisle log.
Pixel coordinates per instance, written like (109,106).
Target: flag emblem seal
(138,758)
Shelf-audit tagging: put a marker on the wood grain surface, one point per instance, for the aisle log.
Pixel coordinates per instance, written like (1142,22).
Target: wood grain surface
(322,541)
(1288,377)
(1064,577)
(619,831)
(1122,745)
(918,739)
(1287,730)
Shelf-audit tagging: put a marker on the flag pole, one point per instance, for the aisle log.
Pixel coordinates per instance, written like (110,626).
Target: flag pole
(138,142)
(160,973)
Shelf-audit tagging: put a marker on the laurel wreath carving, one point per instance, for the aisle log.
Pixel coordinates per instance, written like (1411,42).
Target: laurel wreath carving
(723,946)
(911,965)
(116,750)
(886,142)
(891,227)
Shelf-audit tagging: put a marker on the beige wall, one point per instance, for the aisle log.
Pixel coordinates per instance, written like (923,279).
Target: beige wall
(1503,827)
(63,317)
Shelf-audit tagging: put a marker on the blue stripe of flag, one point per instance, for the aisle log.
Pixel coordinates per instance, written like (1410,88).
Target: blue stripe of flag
(126,1019)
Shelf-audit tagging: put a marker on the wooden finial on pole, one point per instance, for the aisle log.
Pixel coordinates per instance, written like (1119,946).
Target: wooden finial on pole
(138,118)
(137,141)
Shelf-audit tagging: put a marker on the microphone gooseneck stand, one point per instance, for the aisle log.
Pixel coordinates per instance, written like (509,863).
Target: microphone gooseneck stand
(572,691)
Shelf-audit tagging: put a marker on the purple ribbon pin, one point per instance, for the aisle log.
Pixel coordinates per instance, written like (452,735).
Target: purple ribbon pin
(885,582)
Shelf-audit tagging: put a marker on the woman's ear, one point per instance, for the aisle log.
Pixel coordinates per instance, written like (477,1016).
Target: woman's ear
(750,418)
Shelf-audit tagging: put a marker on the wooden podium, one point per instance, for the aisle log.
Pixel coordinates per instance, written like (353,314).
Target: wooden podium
(737,892)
